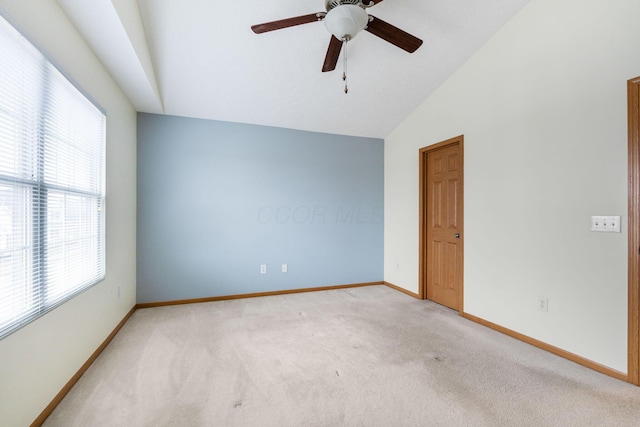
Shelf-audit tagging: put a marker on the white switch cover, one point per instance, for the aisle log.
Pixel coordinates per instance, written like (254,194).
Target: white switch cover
(285,268)
(263,268)
(614,224)
(605,224)
(597,223)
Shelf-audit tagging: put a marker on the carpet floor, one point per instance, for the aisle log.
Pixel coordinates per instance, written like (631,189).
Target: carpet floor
(367,356)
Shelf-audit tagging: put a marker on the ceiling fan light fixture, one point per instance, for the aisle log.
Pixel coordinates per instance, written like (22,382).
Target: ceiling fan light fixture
(346,21)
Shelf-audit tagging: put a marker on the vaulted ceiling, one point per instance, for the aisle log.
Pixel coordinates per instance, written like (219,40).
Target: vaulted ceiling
(199,58)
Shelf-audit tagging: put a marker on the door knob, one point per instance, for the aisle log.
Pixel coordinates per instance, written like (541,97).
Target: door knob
(457,235)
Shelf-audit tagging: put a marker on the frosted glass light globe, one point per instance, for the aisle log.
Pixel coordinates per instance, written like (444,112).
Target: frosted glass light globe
(346,21)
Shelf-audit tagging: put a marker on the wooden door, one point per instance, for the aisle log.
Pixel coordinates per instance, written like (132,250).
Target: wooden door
(443,223)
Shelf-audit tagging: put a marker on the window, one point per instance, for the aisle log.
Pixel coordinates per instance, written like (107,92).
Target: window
(52,142)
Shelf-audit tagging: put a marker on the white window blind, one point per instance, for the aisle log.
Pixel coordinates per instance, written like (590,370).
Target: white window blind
(52,142)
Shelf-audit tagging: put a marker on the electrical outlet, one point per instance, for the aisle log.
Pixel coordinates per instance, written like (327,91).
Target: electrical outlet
(263,268)
(543,304)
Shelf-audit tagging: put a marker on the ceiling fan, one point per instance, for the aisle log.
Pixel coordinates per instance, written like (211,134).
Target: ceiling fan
(344,19)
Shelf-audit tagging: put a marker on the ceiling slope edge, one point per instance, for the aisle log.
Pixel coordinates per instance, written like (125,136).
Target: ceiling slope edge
(116,34)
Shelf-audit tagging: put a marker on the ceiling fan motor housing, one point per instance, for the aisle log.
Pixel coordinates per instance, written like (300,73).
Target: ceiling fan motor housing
(330,4)
(345,18)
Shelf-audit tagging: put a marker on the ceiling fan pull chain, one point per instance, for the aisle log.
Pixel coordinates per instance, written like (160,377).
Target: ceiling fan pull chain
(344,66)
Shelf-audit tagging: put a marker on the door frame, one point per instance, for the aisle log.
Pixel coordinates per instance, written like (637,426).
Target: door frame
(423,220)
(633,98)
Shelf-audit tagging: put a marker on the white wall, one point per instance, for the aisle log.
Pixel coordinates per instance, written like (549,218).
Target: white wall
(543,110)
(38,360)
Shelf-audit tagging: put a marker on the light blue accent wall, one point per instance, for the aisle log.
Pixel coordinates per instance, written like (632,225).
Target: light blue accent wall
(216,200)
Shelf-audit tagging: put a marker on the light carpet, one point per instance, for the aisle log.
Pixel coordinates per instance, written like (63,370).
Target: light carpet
(368,356)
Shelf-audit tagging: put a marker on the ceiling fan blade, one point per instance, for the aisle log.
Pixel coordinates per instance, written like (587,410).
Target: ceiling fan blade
(333,53)
(289,22)
(393,35)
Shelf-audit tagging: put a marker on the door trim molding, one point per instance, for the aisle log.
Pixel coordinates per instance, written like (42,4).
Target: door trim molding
(633,98)
(422,216)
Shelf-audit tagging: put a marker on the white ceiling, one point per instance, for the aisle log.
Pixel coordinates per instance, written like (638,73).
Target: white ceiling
(199,58)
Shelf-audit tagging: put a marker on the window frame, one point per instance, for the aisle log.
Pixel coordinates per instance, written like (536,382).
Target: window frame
(36,223)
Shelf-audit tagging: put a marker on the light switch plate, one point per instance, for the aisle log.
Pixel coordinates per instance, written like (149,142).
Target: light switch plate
(605,224)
